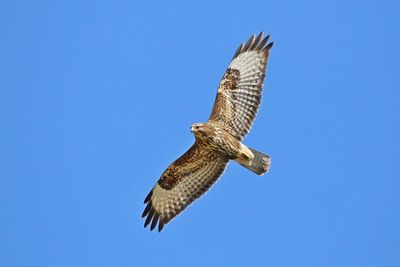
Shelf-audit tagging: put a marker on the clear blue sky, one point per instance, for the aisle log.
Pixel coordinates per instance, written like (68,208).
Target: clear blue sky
(96,99)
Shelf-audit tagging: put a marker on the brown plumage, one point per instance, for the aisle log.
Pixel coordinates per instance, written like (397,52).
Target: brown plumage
(217,141)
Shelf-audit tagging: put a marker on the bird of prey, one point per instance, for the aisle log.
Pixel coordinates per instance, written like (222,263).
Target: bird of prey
(218,140)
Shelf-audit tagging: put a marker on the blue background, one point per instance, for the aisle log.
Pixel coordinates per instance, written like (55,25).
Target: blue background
(97,98)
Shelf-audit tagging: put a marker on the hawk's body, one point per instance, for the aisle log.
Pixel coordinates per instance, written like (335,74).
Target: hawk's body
(213,137)
(217,141)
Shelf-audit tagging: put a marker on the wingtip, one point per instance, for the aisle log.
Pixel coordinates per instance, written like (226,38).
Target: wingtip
(146,210)
(238,51)
(249,43)
(148,197)
(256,41)
(160,226)
(149,217)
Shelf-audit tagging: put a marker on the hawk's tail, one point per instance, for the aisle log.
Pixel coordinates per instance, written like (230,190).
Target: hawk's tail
(259,164)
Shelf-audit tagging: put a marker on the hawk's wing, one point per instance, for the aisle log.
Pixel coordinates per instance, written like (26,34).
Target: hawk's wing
(182,182)
(239,92)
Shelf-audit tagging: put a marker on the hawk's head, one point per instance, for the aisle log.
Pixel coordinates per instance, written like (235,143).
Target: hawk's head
(200,130)
(197,128)
(203,131)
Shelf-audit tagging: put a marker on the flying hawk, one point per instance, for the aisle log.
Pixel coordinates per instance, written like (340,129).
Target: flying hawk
(218,140)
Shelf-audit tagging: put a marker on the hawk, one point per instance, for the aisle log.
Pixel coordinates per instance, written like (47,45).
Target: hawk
(217,141)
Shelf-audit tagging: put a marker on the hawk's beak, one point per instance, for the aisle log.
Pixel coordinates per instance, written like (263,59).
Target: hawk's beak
(191,129)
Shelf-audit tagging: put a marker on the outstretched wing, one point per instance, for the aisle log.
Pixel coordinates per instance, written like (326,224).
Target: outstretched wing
(182,182)
(239,92)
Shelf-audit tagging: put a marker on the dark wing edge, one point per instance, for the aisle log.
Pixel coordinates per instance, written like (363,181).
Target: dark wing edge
(254,44)
(184,181)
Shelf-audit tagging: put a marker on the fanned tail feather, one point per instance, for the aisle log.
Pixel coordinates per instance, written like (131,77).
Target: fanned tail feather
(260,164)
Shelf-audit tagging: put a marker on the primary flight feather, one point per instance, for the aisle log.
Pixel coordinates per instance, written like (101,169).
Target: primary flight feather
(218,140)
